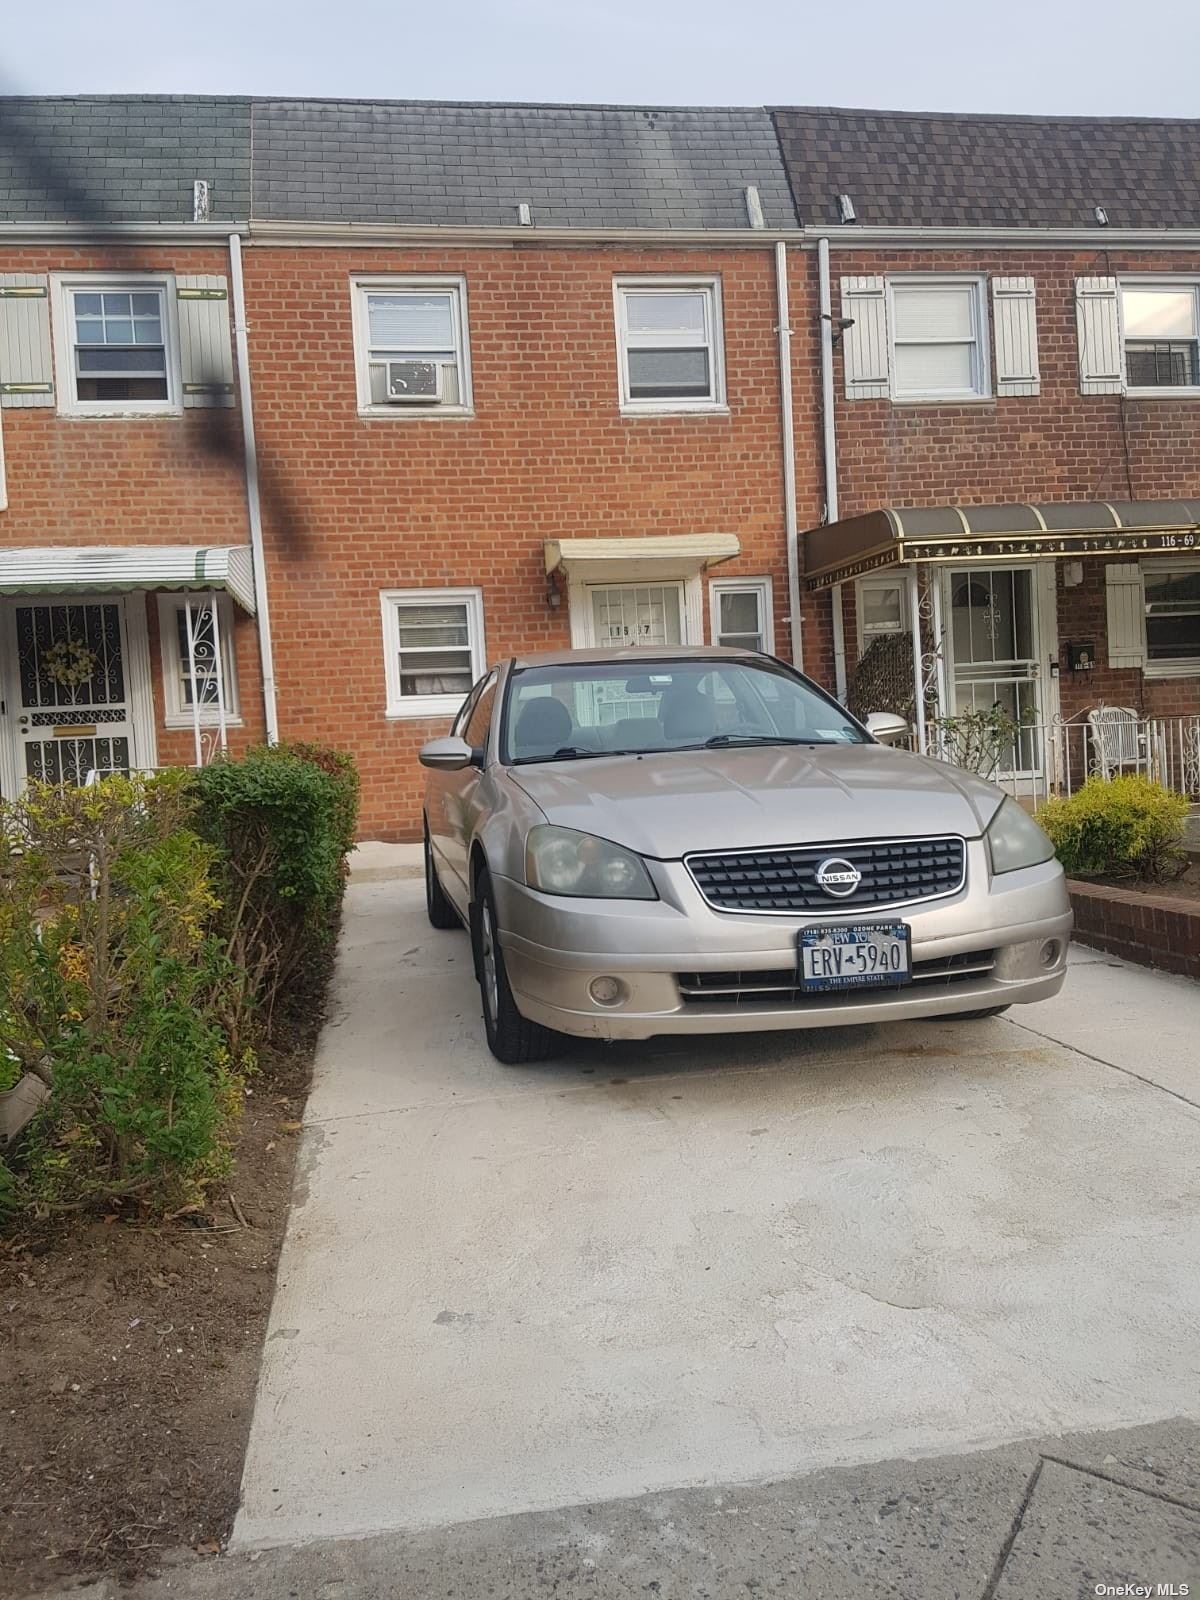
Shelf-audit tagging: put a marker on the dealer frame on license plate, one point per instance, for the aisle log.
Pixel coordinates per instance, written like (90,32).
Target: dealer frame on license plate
(861,955)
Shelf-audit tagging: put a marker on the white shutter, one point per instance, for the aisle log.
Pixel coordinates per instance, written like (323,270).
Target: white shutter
(1098,314)
(26,361)
(1014,316)
(865,345)
(1126,614)
(205,349)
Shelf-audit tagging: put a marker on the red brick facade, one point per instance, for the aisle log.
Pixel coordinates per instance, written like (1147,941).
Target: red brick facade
(354,505)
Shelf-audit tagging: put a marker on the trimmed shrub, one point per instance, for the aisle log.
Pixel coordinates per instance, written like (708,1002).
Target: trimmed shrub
(282,820)
(112,983)
(1123,827)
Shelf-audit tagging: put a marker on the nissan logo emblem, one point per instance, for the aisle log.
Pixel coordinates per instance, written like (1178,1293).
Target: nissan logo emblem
(838,877)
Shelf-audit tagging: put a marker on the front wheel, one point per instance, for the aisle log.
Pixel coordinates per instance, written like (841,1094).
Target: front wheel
(511,1037)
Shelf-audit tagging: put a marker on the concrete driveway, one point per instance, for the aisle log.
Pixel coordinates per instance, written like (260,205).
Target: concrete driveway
(644,1267)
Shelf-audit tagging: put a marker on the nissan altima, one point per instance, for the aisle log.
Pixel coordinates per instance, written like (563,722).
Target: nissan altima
(645,842)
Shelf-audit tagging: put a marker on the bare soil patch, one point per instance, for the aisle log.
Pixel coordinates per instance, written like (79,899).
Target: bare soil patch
(1185,887)
(129,1355)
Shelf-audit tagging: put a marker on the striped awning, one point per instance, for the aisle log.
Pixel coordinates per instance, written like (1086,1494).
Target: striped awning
(1020,531)
(81,569)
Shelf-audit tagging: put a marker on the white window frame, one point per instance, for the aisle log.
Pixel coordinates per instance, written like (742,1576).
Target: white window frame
(710,286)
(1178,391)
(456,283)
(176,711)
(63,288)
(981,389)
(428,705)
(1180,666)
(763,591)
(897,580)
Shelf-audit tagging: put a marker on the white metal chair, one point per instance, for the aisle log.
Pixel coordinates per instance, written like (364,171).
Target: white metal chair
(1118,740)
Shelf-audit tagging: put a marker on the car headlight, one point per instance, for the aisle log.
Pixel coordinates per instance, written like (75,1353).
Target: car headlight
(564,861)
(1015,840)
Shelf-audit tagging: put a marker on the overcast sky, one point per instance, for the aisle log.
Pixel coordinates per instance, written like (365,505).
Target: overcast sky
(925,55)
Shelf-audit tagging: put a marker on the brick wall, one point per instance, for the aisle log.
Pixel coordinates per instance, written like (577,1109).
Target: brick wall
(358,505)
(132,480)
(1058,445)
(1155,930)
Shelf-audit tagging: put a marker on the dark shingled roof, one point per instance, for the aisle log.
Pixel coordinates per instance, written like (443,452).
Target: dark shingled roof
(577,166)
(122,158)
(903,168)
(127,158)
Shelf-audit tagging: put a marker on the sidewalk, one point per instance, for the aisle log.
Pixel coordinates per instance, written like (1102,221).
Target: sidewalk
(1039,1521)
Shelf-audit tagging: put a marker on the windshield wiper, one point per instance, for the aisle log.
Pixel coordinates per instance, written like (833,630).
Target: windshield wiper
(565,752)
(720,739)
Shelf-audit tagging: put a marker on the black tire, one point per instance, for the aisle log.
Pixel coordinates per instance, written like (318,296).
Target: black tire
(511,1037)
(974,1016)
(441,912)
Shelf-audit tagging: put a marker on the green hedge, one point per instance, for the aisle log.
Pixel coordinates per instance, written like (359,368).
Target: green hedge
(1124,827)
(282,820)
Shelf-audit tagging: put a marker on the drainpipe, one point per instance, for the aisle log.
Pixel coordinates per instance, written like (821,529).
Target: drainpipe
(829,436)
(791,529)
(262,612)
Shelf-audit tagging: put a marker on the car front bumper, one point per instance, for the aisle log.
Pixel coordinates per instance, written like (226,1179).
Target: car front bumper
(996,942)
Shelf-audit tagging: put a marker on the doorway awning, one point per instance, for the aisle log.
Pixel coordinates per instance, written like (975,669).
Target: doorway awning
(893,536)
(685,552)
(78,569)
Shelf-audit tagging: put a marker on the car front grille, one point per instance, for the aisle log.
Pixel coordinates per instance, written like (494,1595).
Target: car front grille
(781,986)
(895,872)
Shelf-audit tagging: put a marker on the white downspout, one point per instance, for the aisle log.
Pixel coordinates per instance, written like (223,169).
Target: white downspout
(829,437)
(788,429)
(253,500)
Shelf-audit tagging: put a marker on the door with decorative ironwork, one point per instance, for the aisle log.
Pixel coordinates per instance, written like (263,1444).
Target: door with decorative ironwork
(67,698)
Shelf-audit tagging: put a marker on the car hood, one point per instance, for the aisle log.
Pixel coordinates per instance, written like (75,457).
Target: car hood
(668,803)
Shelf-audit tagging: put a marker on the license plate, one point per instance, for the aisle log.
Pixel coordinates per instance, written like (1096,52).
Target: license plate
(865,955)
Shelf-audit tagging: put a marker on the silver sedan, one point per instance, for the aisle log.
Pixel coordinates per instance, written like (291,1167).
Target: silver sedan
(701,840)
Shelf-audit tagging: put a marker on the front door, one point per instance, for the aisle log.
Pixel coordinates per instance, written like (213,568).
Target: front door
(66,692)
(995,652)
(644,615)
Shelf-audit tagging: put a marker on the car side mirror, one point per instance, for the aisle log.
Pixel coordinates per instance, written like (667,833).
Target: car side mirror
(887,727)
(450,754)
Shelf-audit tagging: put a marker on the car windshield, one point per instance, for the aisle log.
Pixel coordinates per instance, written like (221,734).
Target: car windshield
(576,710)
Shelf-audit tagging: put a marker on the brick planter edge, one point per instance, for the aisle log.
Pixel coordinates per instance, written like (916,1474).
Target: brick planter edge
(1153,930)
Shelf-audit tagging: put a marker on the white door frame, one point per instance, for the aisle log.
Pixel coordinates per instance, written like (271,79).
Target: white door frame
(1045,623)
(625,575)
(143,752)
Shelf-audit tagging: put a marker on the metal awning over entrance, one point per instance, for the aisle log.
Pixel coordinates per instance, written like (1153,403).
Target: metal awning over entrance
(76,569)
(895,536)
(685,552)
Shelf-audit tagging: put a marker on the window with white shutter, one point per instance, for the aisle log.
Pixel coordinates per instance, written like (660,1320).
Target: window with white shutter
(865,341)
(26,357)
(1014,319)
(1126,614)
(116,345)
(937,328)
(1098,317)
(205,346)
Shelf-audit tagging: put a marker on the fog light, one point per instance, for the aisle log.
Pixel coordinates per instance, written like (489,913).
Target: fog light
(607,991)
(1050,952)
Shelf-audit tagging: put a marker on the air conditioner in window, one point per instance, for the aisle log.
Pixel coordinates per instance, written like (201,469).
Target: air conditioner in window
(409,381)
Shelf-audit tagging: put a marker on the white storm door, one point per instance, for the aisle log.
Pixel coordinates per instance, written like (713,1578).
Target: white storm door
(637,614)
(68,699)
(995,652)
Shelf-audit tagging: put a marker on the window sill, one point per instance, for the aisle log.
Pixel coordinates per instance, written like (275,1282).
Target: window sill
(1172,669)
(119,414)
(406,413)
(178,722)
(931,400)
(676,410)
(435,706)
(1163,393)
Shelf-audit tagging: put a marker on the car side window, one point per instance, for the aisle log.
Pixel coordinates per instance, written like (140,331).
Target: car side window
(481,715)
(459,725)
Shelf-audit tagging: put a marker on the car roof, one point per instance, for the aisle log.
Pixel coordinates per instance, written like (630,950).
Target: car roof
(630,653)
